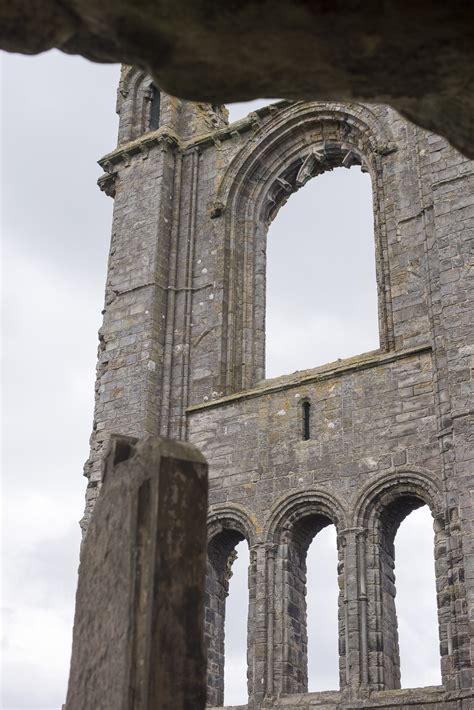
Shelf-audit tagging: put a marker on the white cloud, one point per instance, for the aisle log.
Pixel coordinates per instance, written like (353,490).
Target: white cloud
(47,430)
(34,669)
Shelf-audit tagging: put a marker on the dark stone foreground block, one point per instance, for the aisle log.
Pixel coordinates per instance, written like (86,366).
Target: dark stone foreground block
(138,629)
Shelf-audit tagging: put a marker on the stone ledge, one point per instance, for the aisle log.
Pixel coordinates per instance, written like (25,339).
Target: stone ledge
(164,134)
(139,145)
(404,698)
(339,368)
(377,700)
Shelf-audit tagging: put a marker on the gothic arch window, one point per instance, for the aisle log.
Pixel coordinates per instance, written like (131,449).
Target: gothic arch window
(294,146)
(223,549)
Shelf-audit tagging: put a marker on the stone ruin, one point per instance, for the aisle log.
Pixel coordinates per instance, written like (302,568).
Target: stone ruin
(181,356)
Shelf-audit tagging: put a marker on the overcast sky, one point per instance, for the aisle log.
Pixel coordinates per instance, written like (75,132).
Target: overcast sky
(58,117)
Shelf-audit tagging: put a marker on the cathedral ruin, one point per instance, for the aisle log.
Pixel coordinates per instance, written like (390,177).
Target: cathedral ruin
(359,443)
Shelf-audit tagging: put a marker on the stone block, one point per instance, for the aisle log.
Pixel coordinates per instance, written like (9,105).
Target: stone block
(138,629)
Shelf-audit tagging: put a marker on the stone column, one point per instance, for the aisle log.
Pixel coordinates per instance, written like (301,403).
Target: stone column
(138,641)
(353,613)
(257,629)
(271,550)
(131,382)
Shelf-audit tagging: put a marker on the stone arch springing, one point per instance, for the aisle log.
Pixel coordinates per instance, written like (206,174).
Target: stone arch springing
(227,527)
(287,151)
(294,523)
(379,512)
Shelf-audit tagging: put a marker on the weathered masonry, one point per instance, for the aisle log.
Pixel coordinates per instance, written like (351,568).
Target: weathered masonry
(182,354)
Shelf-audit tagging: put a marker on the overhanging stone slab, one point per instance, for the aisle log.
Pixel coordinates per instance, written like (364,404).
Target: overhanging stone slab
(415,56)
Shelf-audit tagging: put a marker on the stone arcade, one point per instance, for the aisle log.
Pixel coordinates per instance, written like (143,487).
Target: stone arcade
(181,354)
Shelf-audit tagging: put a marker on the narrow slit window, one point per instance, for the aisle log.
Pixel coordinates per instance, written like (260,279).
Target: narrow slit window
(155,108)
(306,408)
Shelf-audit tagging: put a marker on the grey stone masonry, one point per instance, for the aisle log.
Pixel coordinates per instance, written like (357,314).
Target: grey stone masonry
(138,638)
(182,352)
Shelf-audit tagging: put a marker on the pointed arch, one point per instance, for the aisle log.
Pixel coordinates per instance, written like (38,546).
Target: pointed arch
(295,144)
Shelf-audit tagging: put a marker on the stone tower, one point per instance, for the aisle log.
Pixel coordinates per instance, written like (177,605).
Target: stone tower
(182,354)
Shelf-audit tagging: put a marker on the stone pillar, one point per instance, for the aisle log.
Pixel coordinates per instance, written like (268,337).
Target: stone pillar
(219,565)
(130,385)
(383,650)
(138,641)
(353,610)
(257,628)
(272,633)
(294,677)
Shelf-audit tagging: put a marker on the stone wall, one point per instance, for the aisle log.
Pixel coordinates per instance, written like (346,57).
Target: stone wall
(182,354)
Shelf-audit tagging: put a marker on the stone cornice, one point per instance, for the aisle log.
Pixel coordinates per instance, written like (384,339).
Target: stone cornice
(122,155)
(249,122)
(142,145)
(319,374)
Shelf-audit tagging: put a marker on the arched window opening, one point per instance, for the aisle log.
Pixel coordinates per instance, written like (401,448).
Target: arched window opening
(312,594)
(306,411)
(235,668)
(410,634)
(416,601)
(322,604)
(155,106)
(227,600)
(321,292)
